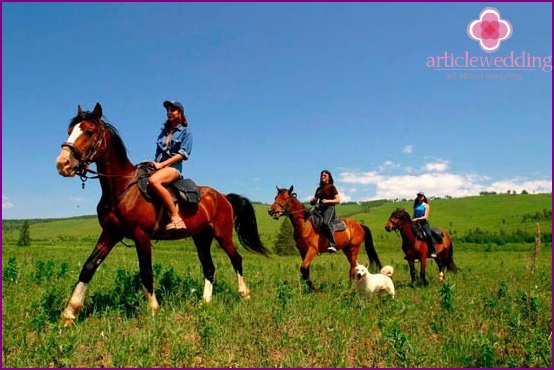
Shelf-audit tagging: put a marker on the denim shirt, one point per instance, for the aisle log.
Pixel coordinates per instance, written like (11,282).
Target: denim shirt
(180,142)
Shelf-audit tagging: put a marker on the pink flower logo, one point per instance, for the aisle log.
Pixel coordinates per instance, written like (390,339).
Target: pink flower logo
(489,30)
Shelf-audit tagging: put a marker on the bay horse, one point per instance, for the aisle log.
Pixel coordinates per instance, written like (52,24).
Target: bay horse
(310,243)
(416,249)
(123,212)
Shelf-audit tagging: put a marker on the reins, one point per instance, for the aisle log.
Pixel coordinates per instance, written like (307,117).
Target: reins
(82,173)
(283,207)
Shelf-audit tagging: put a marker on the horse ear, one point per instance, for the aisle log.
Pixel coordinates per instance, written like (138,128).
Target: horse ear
(79,110)
(97,111)
(291,188)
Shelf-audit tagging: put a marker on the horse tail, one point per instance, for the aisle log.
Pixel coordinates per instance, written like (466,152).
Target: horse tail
(370,247)
(450,265)
(246,225)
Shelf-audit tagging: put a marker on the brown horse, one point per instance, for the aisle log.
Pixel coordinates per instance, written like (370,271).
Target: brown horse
(123,212)
(416,249)
(310,242)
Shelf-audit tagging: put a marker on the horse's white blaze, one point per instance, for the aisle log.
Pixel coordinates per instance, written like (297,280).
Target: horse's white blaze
(75,134)
(243,289)
(208,291)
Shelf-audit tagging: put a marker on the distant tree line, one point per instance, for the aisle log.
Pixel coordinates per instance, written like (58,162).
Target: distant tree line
(478,236)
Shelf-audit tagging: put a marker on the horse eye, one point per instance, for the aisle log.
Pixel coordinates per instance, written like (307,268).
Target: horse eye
(89,132)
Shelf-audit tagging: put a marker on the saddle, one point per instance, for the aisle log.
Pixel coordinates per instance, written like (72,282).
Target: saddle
(436,233)
(182,190)
(316,218)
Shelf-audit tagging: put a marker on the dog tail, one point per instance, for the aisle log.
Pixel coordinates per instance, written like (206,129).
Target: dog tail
(387,270)
(370,247)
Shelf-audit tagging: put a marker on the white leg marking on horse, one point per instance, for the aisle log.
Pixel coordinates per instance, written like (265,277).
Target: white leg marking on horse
(441,276)
(152,302)
(208,291)
(75,303)
(243,289)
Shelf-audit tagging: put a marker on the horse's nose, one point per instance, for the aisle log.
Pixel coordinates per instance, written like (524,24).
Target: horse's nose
(62,162)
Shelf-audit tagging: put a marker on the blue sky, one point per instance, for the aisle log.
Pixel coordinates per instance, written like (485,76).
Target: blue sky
(276,92)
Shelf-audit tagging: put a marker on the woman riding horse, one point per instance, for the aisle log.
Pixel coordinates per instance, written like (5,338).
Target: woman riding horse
(310,242)
(416,249)
(123,212)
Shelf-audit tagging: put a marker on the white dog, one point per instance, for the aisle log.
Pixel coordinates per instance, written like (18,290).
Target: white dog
(375,283)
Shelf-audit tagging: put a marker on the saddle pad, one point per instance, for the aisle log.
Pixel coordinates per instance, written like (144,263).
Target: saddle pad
(187,189)
(338,225)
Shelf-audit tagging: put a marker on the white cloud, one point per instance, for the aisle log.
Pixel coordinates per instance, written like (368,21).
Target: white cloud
(6,204)
(439,166)
(531,186)
(388,165)
(344,198)
(434,184)
(408,149)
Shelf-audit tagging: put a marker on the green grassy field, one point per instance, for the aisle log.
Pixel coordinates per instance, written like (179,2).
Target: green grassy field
(496,312)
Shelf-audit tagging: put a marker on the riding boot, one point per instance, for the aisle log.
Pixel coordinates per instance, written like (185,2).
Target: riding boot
(433,252)
(332,243)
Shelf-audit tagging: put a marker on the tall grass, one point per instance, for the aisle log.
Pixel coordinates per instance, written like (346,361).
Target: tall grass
(480,317)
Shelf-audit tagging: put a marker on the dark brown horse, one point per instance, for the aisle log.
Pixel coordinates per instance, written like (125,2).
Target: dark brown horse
(310,242)
(416,249)
(123,212)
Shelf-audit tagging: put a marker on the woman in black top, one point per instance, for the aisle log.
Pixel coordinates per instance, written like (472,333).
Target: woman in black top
(328,196)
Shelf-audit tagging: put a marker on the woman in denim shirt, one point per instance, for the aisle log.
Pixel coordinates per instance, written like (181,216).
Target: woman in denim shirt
(173,146)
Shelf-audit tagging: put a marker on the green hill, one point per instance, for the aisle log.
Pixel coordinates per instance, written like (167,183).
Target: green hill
(498,214)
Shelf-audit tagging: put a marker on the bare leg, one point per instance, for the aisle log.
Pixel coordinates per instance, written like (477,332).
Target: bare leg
(158,181)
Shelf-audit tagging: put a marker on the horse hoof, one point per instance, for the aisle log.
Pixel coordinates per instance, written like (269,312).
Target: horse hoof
(245,294)
(68,319)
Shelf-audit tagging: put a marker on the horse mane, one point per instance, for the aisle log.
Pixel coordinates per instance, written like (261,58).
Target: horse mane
(401,213)
(117,142)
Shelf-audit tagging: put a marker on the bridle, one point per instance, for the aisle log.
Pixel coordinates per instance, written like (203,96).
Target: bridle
(86,158)
(395,225)
(284,211)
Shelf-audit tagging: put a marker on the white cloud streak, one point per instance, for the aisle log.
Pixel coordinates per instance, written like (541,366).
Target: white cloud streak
(433,179)
(6,204)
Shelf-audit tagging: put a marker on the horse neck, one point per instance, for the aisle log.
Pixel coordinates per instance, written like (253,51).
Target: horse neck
(407,232)
(297,214)
(115,172)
